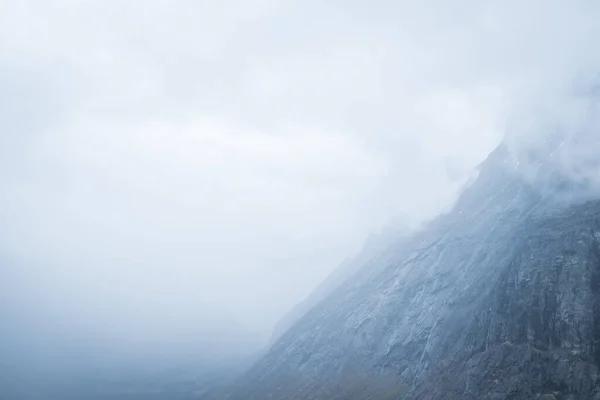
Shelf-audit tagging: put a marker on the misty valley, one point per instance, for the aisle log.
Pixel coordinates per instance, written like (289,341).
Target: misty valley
(299,200)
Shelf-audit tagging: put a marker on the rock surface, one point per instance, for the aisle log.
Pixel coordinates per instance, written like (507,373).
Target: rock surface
(498,299)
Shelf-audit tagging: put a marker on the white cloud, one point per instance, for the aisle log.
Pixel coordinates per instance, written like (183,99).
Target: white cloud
(246,147)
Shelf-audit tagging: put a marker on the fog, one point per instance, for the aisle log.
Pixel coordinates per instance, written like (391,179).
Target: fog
(171,170)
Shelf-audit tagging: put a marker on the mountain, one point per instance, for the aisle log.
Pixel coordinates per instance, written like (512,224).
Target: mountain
(497,299)
(373,253)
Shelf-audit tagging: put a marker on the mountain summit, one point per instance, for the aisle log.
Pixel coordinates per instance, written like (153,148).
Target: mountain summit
(497,299)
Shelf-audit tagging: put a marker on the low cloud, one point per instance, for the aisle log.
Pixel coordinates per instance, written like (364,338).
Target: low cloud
(234,153)
(556,146)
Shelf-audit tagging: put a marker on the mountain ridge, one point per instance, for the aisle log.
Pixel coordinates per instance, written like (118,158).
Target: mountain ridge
(414,328)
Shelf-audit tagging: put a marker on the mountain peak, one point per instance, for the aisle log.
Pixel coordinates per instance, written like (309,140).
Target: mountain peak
(497,298)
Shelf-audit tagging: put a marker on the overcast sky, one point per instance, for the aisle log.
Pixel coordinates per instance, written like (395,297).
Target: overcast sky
(182,155)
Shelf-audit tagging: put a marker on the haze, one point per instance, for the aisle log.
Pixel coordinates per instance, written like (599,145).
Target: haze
(171,166)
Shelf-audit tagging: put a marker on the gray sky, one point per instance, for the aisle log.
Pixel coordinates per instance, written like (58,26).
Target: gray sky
(226,155)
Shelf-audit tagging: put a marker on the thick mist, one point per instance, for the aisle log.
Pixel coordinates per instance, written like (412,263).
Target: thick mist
(557,146)
(176,176)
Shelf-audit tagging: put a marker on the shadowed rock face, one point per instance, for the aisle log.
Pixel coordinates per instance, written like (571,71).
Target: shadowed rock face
(498,299)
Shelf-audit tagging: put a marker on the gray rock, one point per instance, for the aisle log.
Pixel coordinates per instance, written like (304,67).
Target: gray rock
(498,299)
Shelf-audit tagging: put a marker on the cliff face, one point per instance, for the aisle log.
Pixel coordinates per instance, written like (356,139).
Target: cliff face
(498,299)
(375,252)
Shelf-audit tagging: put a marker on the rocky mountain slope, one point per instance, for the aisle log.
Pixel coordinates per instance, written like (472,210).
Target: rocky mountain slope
(498,299)
(376,250)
